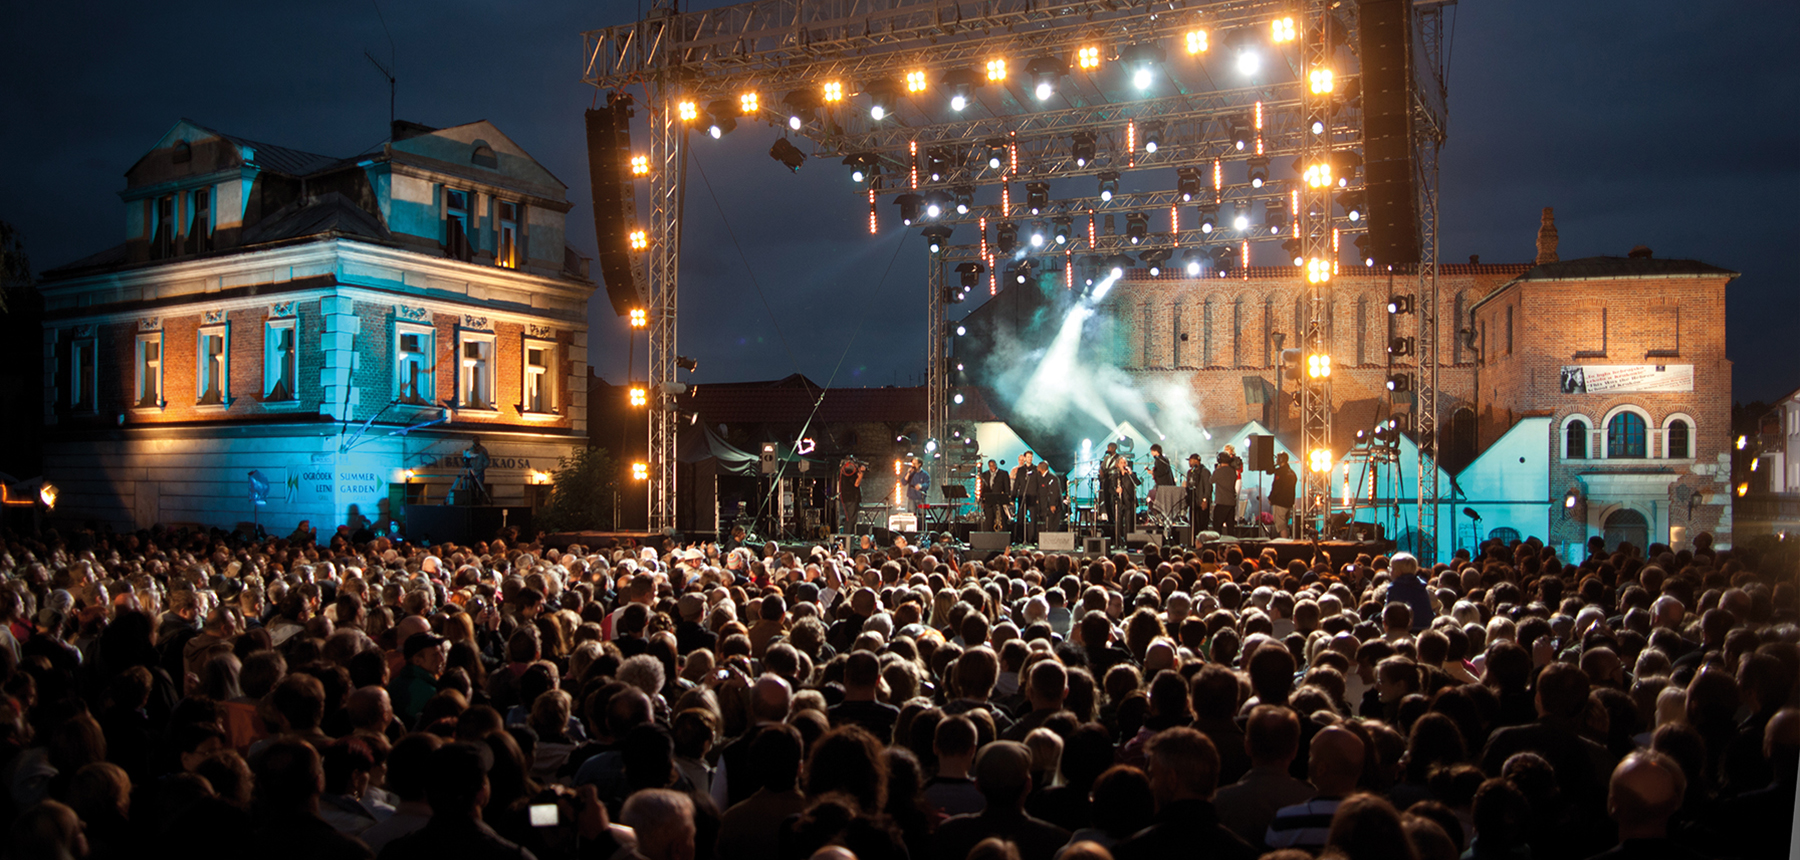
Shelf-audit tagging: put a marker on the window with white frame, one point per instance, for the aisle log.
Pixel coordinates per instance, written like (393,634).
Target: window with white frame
(414,359)
(475,371)
(281,360)
(148,394)
(83,363)
(212,373)
(508,251)
(540,383)
(1575,439)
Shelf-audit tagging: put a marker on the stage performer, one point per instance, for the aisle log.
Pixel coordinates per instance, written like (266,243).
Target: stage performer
(1199,493)
(1281,493)
(850,477)
(1108,474)
(1026,486)
(918,487)
(1165,497)
(1050,498)
(1224,474)
(1124,512)
(996,492)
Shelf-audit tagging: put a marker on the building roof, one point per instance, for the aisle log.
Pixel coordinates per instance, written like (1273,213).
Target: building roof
(327,214)
(1589,268)
(790,400)
(279,159)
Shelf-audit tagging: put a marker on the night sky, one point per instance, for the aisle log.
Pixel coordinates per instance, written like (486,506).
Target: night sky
(1668,124)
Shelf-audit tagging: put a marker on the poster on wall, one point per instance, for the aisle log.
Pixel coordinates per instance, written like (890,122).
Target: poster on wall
(1601,378)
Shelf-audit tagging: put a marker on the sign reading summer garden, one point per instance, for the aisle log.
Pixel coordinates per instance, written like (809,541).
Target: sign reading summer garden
(1599,378)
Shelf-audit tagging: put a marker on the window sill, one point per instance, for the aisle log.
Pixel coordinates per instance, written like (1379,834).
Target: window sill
(530,415)
(282,405)
(141,409)
(478,410)
(211,407)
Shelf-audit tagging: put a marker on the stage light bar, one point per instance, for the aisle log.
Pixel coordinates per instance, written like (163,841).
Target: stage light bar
(1109,184)
(915,82)
(1281,30)
(1259,172)
(687,110)
(996,70)
(832,92)
(937,236)
(1187,183)
(1196,42)
(1137,227)
(1088,57)
(1037,196)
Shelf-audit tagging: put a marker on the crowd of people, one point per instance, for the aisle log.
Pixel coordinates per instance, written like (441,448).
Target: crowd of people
(205,694)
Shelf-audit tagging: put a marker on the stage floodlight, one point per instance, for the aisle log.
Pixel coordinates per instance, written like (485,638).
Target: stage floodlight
(1037,196)
(863,166)
(1400,303)
(1039,234)
(687,110)
(1400,347)
(1259,172)
(881,98)
(1116,265)
(909,207)
(1240,216)
(1248,61)
(1292,247)
(1187,183)
(937,164)
(1109,184)
(1088,57)
(789,155)
(684,363)
(1143,61)
(1239,129)
(1082,148)
(937,202)
(1155,258)
(1152,135)
(802,107)
(748,103)
(1006,237)
(1321,80)
(961,84)
(937,236)
(969,274)
(1281,30)
(1061,228)
(996,152)
(1399,382)
(915,81)
(1352,203)
(1209,217)
(638,395)
(1196,42)
(1194,264)
(1046,72)
(1137,227)
(965,199)
(1318,366)
(724,118)
(1275,216)
(1222,258)
(996,70)
(832,92)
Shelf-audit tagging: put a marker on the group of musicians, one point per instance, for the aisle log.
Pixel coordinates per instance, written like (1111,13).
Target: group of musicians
(1031,497)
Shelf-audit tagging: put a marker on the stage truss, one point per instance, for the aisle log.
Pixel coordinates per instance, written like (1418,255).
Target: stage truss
(1208,119)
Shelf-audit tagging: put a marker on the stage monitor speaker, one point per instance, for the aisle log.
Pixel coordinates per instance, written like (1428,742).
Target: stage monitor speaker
(1093,546)
(1137,540)
(1056,541)
(903,523)
(615,201)
(1387,87)
(1185,535)
(883,538)
(1262,453)
(989,541)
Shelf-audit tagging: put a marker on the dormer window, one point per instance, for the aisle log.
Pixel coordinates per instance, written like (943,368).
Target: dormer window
(162,227)
(484,156)
(456,223)
(199,221)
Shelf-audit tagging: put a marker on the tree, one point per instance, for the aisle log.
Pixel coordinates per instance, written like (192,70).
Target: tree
(583,497)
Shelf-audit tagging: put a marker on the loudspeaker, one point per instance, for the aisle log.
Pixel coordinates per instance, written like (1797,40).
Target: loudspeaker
(1137,540)
(989,541)
(1056,541)
(883,538)
(1185,535)
(615,201)
(1387,82)
(1093,546)
(1262,453)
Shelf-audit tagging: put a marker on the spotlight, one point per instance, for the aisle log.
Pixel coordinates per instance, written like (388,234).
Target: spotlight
(1117,264)
(688,110)
(1362,250)
(1344,165)
(1399,382)
(1037,196)
(1142,60)
(1137,227)
(1222,257)
(965,198)
(996,152)
(1038,236)
(1400,347)
(1006,237)
(1021,271)
(1318,366)
(1259,172)
(1292,246)
(1188,183)
(1240,217)
(863,166)
(961,83)
(1060,229)
(1082,149)
(802,108)
(832,92)
(1193,264)
(1282,30)
(1209,217)
(1196,41)
(937,164)
(970,273)
(937,202)
(684,363)
(909,207)
(996,70)
(881,98)
(937,235)
(1239,129)
(1275,216)
(1109,184)
(1248,61)
(1400,304)
(724,118)
(1352,203)
(1155,258)
(1045,72)
(1152,136)
(961,330)
(789,155)
(1088,57)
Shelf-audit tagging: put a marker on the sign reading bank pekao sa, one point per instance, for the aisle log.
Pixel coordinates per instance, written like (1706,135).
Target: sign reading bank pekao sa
(1602,378)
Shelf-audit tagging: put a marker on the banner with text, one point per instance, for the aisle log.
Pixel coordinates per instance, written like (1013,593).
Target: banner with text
(1600,378)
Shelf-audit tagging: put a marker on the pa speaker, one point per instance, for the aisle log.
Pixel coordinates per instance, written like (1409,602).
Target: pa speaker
(1262,453)
(989,541)
(615,201)
(1387,84)
(1056,541)
(1093,546)
(1137,540)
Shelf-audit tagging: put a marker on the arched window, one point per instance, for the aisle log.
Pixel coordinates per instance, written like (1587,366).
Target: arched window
(1678,446)
(1237,332)
(1505,534)
(1626,526)
(1575,440)
(1625,437)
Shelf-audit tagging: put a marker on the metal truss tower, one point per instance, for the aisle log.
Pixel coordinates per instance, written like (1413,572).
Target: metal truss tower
(1428,128)
(816,67)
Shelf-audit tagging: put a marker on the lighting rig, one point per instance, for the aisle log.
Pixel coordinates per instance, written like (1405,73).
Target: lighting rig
(1021,131)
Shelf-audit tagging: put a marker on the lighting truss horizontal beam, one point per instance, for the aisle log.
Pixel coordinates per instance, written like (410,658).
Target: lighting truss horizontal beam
(1148,201)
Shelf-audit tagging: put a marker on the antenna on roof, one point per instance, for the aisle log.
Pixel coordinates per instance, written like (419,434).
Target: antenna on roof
(387,71)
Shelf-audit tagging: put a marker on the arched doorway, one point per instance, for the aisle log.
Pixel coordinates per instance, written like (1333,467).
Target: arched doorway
(1626,526)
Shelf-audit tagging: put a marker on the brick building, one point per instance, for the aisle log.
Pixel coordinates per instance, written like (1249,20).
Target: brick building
(342,326)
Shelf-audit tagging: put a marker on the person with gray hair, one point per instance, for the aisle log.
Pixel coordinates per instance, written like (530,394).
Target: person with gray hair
(1408,587)
(663,821)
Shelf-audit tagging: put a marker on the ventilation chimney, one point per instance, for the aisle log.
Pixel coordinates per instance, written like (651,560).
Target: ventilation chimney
(1546,250)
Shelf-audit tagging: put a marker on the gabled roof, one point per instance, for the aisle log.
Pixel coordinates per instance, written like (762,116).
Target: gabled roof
(331,213)
(279,159)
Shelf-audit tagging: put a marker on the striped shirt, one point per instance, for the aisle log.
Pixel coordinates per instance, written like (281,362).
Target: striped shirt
(1303,825)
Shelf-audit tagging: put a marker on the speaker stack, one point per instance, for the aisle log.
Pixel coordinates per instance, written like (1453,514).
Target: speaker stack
(615,200)
(1387,132)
